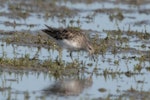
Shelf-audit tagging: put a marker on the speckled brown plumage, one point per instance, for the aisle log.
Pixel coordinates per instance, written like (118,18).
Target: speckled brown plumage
(60,34)
(70,38)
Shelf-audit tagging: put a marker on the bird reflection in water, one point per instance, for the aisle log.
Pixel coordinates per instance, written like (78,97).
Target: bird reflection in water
(68,87)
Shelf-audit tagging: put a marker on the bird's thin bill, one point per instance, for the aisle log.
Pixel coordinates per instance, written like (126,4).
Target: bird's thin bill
(93,57)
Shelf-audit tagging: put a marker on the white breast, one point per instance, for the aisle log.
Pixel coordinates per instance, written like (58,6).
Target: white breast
(67,44)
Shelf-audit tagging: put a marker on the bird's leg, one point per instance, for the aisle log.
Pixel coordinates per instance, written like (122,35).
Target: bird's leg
(60,55)
(36,54)
(71,56)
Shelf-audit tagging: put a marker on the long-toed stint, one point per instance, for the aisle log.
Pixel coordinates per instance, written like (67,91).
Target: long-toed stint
(70,39)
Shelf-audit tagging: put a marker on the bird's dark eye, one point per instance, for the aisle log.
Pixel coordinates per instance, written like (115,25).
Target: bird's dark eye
(90,48)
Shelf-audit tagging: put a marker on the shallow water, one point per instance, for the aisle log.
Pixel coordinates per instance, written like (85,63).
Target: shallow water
(115,74)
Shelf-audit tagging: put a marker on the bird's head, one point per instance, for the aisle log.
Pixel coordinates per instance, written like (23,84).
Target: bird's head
(91,50)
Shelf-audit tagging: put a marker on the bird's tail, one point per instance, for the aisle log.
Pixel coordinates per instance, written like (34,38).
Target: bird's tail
(50,31)
(50,28)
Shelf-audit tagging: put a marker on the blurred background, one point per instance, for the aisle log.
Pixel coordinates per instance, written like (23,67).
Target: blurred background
(33,67)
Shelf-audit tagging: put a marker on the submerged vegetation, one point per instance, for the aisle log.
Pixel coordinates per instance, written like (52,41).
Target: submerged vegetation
(116,42)
(119,35)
